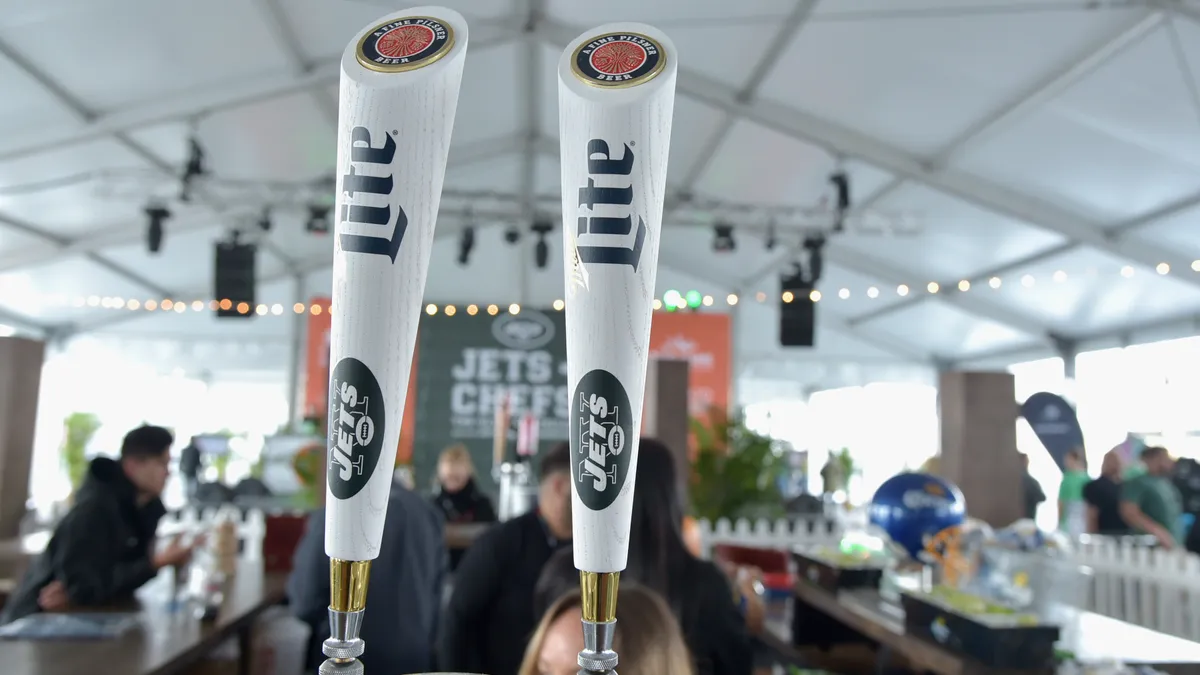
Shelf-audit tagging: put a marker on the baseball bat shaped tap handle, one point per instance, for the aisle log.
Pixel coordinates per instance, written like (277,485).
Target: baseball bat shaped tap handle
(616,98)
(397,99)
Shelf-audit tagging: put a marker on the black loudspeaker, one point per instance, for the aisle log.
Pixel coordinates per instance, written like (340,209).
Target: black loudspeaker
(234,279)
(798,318)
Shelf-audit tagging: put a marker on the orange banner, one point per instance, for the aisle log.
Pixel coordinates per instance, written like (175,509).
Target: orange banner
(316,380)
(703,340)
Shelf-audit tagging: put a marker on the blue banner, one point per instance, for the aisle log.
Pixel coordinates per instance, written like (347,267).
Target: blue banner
(1054,422)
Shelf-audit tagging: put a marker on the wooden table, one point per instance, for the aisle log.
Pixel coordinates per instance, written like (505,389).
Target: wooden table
(1093,638)
(166,641)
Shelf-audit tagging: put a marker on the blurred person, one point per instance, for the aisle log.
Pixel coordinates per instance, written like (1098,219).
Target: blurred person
(1103,498)
(103,549)
(648,639)
(1072,511)
(490,615)
(1150,502)
(1031,490)
(458,497)
(189,468)
(405,593)
(700,596)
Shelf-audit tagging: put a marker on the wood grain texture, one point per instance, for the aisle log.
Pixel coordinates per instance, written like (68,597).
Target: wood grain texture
(608,306)
(377,300)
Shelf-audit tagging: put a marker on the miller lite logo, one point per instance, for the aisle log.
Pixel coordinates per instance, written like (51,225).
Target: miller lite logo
(367,198)
(618,60)
(356,424)
(601,431)
(405,44)
(605,232)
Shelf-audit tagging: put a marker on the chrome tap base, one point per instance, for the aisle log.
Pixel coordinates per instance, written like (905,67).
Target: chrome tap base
(341,667)
(598,656)
(343,646)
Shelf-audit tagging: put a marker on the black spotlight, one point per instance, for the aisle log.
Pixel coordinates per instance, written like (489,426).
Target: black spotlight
(512,235)
(318,219)
(723,241)
(157,217)
(466,242)
(541,250)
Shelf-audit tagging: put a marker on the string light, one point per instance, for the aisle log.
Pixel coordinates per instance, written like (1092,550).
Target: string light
(671,300)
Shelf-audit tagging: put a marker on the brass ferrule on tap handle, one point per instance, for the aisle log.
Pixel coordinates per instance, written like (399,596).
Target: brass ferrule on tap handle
(598,605)
(347,599)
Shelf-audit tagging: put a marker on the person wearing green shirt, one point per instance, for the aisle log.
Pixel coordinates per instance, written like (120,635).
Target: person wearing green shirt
(1151,503)
(1070,491)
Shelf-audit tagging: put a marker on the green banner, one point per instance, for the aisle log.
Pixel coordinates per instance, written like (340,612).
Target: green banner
(465,367)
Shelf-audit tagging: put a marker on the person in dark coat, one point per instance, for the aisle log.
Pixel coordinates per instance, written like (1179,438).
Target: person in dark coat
(189,466)
(490,617)
(103,550)
(458,496)
(403,597)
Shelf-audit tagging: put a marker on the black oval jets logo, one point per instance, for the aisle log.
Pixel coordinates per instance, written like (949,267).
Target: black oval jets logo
(356,424)
(618,60)
(405,44)
(601,432)
(527,330)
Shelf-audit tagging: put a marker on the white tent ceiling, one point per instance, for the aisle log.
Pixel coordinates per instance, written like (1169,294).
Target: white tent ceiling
(1052,145)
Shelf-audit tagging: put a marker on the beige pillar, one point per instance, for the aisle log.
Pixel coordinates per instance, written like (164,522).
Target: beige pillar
(20,377)
(979,443)
(665,411)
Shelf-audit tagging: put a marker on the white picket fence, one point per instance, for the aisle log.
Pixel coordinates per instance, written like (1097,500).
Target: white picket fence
(1149,587)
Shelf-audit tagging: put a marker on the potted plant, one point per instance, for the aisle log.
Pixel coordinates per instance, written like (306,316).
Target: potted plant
(736,472)
(78,430)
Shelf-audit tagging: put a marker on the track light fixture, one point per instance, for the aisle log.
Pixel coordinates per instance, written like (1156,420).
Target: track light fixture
(466,242)
(156,218)
(841,184)
(541,250)
(723,241)
(318,219)
(193,168)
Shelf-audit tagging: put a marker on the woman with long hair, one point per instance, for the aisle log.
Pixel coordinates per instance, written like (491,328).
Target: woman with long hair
(697,592)
(648,638)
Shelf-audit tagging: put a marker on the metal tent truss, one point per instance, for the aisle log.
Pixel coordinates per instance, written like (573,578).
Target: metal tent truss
(532,28)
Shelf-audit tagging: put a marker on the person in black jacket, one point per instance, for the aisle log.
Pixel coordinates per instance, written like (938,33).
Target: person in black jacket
(490,616)
(458,496)
(403,598)
(103,550)
(697,591)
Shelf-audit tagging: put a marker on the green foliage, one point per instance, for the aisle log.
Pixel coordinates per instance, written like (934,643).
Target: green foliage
(736,471)
(78,430)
